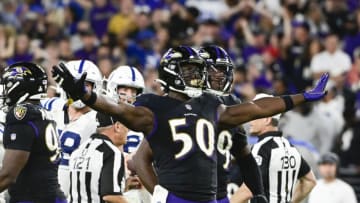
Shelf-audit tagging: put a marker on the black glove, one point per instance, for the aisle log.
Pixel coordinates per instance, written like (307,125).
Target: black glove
(259,199)
(74,87)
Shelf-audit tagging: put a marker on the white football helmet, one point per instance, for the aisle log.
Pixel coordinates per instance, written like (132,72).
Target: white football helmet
(94,76)
(125,76)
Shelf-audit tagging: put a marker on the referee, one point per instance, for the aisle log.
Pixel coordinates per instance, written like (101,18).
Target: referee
(97,172)
(280,163)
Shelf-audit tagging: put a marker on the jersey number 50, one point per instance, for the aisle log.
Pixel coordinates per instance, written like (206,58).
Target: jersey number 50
(201,124)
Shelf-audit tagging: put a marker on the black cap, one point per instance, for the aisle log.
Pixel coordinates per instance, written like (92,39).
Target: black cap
(329,158)
(104,120)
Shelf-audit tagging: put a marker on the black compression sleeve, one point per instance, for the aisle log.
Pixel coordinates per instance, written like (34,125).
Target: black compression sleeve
(251,174)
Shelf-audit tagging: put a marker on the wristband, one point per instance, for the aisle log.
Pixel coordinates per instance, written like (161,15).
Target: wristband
(289,104)
(91,100)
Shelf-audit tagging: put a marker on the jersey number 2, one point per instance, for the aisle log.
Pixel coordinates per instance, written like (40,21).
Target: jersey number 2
(201,124)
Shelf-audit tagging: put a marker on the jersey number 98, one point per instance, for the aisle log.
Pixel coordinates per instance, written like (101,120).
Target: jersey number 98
(52,142)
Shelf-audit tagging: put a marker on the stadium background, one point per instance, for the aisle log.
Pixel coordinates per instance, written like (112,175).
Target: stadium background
(276,46)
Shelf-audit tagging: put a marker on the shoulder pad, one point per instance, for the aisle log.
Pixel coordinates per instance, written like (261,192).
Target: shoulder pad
(23,113)
(53,104)
(145,99)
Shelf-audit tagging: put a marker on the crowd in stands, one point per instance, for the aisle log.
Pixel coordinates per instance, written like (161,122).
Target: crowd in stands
(277,46)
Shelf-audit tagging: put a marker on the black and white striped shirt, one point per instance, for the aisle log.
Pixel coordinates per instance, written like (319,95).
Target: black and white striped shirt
(281,166)
(96,169)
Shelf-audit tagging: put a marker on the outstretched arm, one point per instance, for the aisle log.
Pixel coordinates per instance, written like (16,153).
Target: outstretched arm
(136,118)
(143,165)
(139,119)
(231,116)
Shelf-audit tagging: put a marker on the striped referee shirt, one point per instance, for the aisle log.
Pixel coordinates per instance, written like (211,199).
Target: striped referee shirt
(96,169)
(281,166)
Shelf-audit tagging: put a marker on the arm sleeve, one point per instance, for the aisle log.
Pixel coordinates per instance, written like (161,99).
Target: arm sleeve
(304,168)
(111,175)
(19,136)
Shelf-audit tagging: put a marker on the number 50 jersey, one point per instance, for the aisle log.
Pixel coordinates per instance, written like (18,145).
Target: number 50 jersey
(28,128)
(183,144)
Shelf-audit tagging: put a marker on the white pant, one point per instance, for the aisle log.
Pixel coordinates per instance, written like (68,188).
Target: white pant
(160,194)
(64,180)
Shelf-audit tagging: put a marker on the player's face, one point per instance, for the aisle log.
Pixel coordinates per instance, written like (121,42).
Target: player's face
(89,86)
(217,78)
(127,94)
(327,171)
(192,74)
(257,126)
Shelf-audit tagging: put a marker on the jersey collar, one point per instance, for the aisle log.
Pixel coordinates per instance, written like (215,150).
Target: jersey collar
(271,133)
(101,136)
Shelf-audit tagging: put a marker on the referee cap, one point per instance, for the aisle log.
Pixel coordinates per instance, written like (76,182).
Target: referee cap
(104,120)
(263,95)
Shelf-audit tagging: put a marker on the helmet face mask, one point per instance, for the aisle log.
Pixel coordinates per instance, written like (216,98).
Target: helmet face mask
(124,84)
(219,69)
(183,70)
(23,81)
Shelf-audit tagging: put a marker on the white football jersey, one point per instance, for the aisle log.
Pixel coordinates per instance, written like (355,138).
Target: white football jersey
(71,134)
(133,141)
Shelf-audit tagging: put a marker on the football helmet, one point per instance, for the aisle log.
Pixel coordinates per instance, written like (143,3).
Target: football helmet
(124,76)
(219,69)
(22,81)
(182,70)
(94,76)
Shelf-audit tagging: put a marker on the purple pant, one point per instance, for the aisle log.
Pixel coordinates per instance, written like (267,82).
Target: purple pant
(224,200)
(171,198)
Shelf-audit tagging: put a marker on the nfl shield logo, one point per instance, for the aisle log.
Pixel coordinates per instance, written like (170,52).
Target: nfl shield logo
(20,112)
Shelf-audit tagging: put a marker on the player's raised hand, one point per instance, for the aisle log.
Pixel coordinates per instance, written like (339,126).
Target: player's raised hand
(74,87)
(318,92)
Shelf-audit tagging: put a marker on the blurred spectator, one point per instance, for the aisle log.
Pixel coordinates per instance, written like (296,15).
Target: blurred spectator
(151,86)
(316,19)
(208,9)
(73,13)
(7,42)
(295,51)
(332,107)
(89,49)
(348,143)
(8,14)
(105,65)
(330,189)
(353,76)
(208,32)
(22,50)
(100,15)
(124,21)
(309,125)
(352,39)
(65,52)
(255,39)
(332,59)
(183,22)
(336,13)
